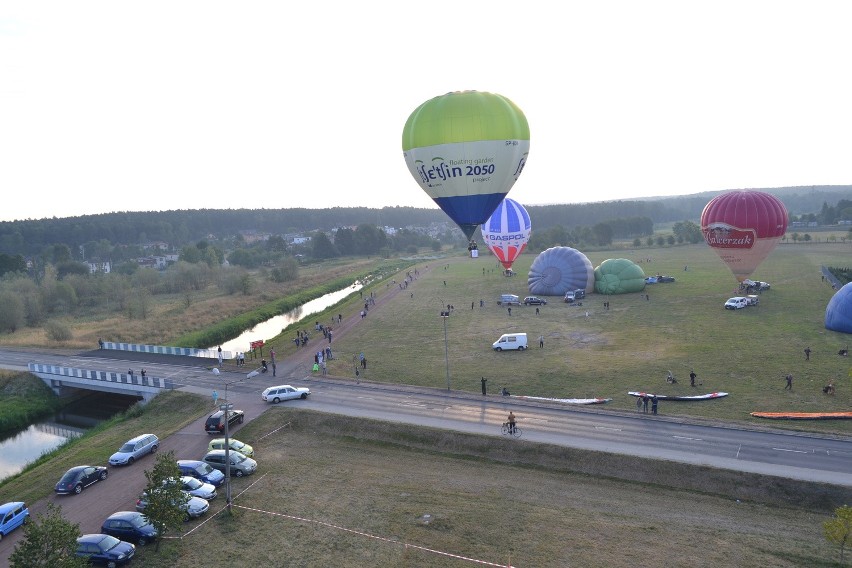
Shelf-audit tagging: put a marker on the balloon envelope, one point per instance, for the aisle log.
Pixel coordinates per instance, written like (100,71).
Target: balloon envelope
(507,231)
(838,313)
(743,227)
(466,149)
(558,270)
(619,276)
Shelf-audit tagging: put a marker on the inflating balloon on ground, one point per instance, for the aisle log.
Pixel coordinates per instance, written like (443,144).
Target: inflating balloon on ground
(619,276)
(558,270)
(466,150)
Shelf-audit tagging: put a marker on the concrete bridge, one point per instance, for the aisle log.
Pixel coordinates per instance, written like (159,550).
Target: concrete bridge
(61,378)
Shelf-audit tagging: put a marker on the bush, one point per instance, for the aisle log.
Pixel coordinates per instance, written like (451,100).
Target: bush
(57,331)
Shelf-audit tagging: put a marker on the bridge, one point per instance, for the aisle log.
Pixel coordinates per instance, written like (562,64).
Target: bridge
(61,378)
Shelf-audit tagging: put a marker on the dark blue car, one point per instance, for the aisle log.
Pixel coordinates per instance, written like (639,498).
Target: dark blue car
(201,470)
(131,526)
(104,549)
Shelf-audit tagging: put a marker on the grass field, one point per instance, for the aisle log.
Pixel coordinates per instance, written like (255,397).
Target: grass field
(336,491)
(629,347)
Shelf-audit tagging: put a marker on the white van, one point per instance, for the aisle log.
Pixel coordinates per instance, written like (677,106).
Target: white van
(736,303)
(509,300)
(511,341)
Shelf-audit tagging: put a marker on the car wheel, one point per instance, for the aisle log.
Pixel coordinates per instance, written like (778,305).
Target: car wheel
(130,460)
(238,473)
(1,536)
(241,419)
(103,475)
(142,541)
(521,348)
(499,349)
(111,564)
(304,395)
(78,489)
(154,448)
(276,400)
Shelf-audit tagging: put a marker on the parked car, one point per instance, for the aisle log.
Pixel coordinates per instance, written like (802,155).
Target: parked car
(12,515)
(234,444)
(216,422)
(534,301)
(201,471)
(509,300)
(193,507)
(80,477)
(104,549)
(574,295)
(198,488)
(134,449)
(240,465)
(736,303)
(752,300)
(659,279)
(131,526)
(284,392)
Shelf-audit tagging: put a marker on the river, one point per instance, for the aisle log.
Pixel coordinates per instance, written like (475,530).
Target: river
(19,449)
(273,326)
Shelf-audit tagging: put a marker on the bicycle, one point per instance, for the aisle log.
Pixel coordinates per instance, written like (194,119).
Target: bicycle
(516,432)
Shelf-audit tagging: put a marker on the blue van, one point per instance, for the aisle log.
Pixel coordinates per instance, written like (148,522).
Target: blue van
(201,470)
(12,515)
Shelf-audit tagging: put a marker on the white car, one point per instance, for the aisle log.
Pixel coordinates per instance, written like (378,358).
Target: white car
(197,488)
(284,392)
(134,449)
(736,303)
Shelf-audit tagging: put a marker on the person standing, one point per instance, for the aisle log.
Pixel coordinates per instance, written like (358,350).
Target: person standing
(540,341)
(510,310)
(654,405)
(219,350)
(142,372)
(692,376)
(807,353)
(511,422)
(789,385)
(484,380)
(638,404)
(645,403)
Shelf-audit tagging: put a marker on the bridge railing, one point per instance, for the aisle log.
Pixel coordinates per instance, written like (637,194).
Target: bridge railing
(167,350)
(102,376)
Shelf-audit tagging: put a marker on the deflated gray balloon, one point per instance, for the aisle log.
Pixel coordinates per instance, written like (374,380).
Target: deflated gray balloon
(558,270)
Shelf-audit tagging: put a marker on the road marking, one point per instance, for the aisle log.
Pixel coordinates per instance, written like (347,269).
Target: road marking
(787,450)
(607,428)
(688,438)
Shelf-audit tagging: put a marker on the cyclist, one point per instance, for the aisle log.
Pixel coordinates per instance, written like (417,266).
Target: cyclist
(511,422)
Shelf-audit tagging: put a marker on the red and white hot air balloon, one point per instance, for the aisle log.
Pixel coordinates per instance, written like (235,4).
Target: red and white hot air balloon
(743,227)
(507,231)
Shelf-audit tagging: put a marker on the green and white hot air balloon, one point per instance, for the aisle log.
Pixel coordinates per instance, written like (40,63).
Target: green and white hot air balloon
(466,149)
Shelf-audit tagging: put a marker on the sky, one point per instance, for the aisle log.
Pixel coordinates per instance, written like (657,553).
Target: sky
(148,106)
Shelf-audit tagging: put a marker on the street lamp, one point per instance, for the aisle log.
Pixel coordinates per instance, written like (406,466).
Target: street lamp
(444,316)
(226,407)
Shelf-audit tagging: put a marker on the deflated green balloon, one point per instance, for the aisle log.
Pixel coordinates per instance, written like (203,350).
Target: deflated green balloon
(619,276)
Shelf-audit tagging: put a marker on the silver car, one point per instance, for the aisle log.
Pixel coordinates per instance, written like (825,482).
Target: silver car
(134,449)
(197,488)
(240,465)
(193,506)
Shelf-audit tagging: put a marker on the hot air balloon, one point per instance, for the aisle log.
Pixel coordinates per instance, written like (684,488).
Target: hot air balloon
(466,149)
(838,313)
(507,231)
(743,227)
(619,276)
(559,269)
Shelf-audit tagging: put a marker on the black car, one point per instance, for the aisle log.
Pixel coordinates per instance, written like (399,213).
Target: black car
(130,526)
(216,422)
(77,478)
(104,549)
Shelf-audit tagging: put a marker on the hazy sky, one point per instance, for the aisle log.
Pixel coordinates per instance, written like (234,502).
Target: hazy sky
(117,106)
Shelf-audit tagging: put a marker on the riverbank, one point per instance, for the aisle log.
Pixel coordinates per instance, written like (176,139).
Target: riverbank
(24,399)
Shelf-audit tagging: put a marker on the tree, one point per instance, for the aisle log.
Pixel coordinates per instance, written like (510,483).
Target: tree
(12,314)
(50,542)
(322,247)
(164,497)
(839,529)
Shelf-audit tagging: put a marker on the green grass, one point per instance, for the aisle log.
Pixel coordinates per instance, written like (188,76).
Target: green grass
(629,347)
(23,399)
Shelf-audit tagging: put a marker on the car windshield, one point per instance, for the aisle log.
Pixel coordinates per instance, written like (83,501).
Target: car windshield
(203,469)
(192,483)
(108,542)
(237,458)
(237,445)
(127,448)
(69,476)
